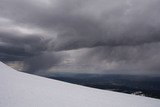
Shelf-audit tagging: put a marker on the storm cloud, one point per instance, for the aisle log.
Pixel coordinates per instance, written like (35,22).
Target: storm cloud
(106,35)
(32,50)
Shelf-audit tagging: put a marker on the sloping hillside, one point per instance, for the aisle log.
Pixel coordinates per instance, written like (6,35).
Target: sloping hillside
(24,90)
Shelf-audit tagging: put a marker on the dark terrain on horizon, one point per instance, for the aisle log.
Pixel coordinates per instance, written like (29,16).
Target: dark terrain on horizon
(143,85)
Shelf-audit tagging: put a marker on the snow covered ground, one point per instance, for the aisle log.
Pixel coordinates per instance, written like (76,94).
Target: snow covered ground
(24,90)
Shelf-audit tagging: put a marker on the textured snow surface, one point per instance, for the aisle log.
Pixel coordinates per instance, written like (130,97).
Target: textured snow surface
(24,90)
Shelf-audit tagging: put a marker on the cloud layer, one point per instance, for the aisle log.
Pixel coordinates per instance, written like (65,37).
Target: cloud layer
(105,35)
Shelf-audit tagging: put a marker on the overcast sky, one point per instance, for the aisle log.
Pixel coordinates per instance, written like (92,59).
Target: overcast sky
(88,36)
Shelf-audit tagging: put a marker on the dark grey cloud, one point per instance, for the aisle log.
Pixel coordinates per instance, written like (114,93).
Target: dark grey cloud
(15,45)
(122,23)
(32,50)
(123,34)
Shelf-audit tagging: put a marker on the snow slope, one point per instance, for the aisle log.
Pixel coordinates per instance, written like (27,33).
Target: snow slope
(19,89)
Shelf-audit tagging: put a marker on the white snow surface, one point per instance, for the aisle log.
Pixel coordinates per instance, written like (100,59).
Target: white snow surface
(19,89)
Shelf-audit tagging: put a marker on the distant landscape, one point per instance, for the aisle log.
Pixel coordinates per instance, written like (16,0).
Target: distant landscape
(143,85)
